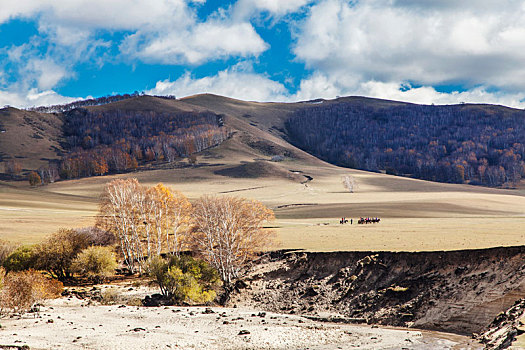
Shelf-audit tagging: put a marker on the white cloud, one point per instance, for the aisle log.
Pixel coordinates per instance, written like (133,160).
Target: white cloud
(100,14)
(248,8)
(33,97)
(161,31)
(235,83)
(322,86)
(45,72)
(446,42)
(205,41)
(428,95)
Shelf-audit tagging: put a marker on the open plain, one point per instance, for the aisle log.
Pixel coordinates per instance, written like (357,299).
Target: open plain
(308,201)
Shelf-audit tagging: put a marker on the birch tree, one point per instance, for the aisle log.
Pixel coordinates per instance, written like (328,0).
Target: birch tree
(349,183)
(228,231)
(147,221)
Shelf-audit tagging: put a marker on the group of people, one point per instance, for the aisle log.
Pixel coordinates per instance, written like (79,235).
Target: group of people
(367,220)
(345,221)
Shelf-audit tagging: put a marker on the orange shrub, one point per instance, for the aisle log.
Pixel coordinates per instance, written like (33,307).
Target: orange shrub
(21,290)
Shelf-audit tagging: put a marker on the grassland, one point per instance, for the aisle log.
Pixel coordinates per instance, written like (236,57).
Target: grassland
(416,215)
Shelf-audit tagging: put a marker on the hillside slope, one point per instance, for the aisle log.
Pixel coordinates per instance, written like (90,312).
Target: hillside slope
(29,137)
(478,144)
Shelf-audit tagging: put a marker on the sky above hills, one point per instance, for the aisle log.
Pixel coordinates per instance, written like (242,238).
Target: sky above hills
(432,51)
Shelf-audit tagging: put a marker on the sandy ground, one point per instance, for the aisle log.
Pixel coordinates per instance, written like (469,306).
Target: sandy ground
(73,324)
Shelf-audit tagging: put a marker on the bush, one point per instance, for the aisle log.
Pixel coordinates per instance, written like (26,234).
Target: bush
(184,279)
(57,253)
(98,237)
(22,258)
(95,262)
(21,290)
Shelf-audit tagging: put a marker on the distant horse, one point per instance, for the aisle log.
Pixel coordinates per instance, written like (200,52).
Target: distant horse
(368,221)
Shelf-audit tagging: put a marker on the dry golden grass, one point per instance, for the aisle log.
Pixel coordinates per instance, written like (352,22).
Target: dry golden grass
(404,234)
(416,215)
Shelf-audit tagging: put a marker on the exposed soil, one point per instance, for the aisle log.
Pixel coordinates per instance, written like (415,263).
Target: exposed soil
(503,331)
(79,322)
(457,291)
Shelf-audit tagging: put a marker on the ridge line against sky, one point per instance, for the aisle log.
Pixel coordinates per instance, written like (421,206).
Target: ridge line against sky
(434,51)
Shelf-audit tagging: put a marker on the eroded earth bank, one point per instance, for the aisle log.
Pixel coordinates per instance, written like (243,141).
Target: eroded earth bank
(462,292)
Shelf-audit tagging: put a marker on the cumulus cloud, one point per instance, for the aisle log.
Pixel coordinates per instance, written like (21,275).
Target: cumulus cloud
(245,85)
(45,72)
(322,86)
(163,31)
(197,44)
(100,14)
(32,97)
(446,42)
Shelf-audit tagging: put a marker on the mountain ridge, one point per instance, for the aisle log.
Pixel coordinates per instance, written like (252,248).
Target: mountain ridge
(261,125)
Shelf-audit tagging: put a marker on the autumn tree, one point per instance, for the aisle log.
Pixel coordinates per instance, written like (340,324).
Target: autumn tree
(192,159)
(49,174)
(6,248)
(118,215)
(34,178)
(168,216)
(228,231)
(147,221)
(57,253)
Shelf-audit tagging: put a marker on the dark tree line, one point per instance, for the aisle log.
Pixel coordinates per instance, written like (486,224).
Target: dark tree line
(101,142)
(475,144)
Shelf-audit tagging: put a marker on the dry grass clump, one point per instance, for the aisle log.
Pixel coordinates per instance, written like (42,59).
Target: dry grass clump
(6,248)
(113,296)
(20,291)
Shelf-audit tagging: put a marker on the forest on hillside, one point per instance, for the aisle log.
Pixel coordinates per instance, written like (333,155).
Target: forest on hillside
(473,144)
(101,142)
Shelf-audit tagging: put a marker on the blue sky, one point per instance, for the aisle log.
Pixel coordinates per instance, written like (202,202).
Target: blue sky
(433,51)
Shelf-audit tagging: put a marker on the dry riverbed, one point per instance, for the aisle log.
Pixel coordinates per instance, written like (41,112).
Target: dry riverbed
(73,323)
